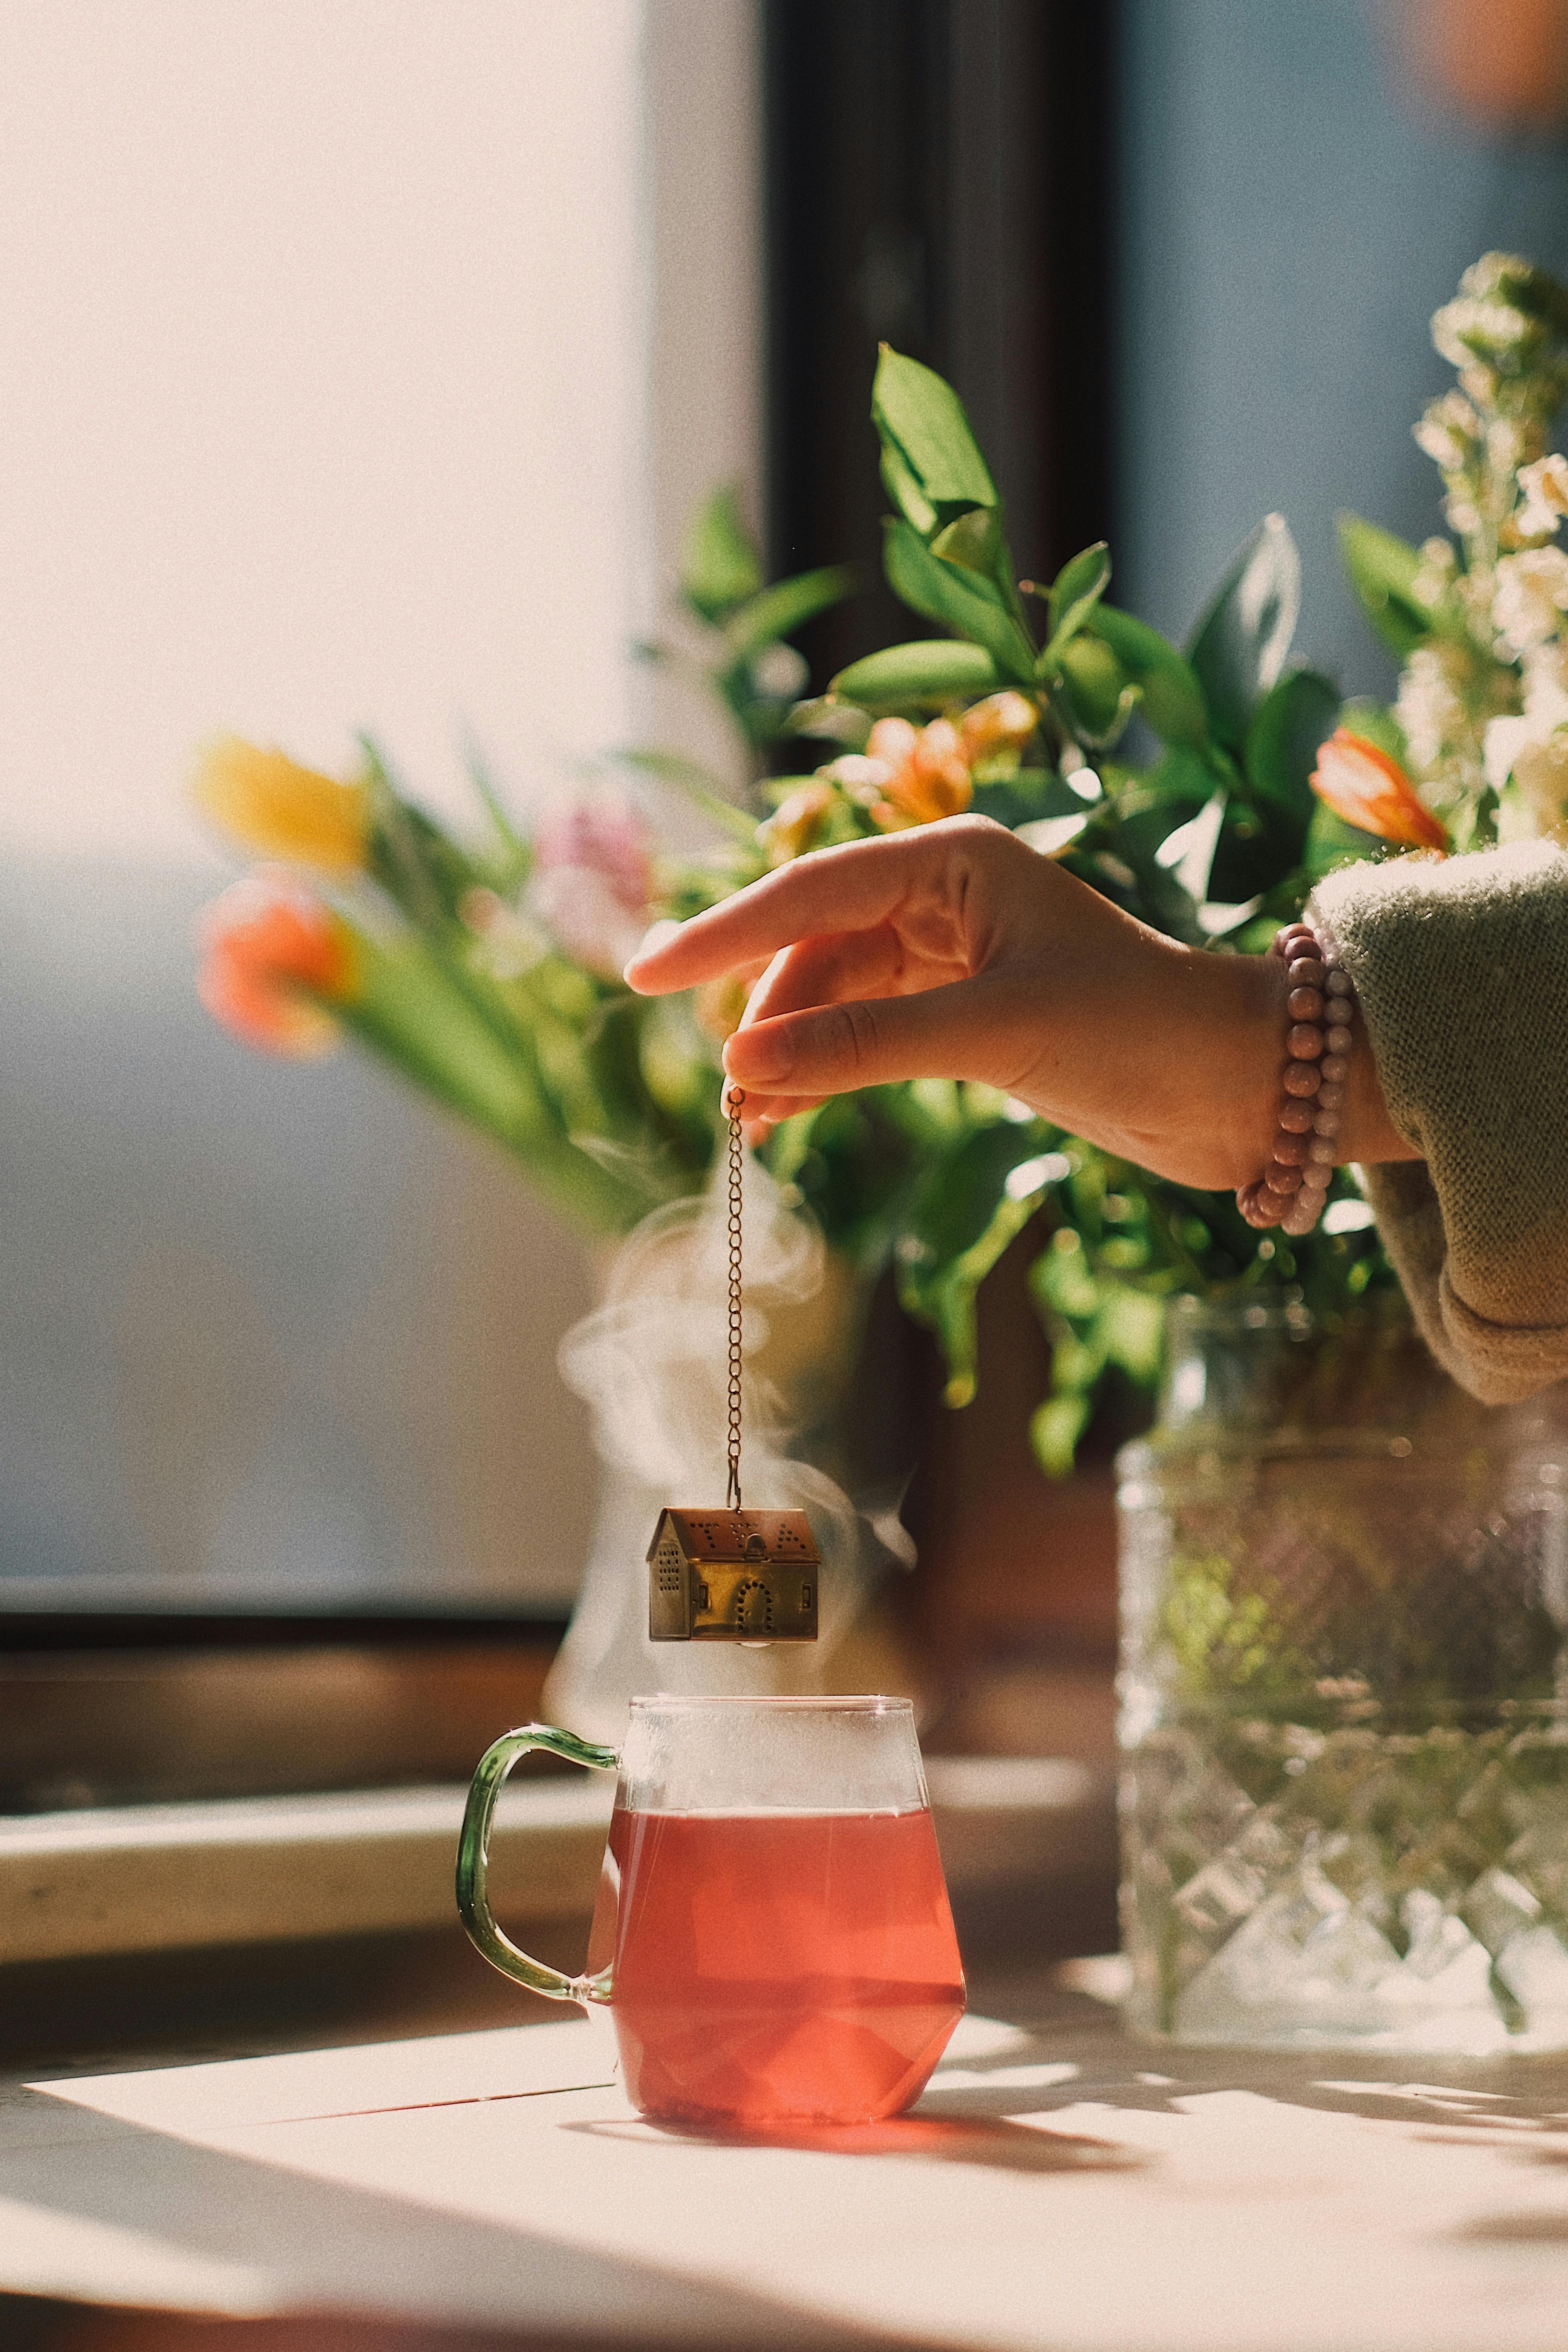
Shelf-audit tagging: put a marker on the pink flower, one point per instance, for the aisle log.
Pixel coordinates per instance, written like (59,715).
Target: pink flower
(604,836)
(1366,788)
(593,882)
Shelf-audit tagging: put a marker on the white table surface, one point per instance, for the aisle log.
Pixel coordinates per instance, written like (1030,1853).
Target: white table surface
(1060,2187)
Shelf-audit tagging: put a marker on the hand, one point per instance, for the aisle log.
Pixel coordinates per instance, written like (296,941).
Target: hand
(952,950)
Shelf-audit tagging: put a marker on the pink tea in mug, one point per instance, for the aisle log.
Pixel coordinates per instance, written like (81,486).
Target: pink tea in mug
(771,1936)
(774,1965)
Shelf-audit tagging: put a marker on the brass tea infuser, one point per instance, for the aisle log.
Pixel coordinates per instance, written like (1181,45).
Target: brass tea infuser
(730,1574)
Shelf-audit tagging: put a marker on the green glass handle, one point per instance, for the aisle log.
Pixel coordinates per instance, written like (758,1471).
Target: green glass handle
(474,1854)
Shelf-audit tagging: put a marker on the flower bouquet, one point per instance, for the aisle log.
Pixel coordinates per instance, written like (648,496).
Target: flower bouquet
(1205,789)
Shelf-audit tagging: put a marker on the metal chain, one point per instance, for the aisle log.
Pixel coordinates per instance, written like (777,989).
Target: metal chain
(737,1156)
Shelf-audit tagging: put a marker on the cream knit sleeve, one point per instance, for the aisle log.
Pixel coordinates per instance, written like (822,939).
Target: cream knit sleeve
(1461,967)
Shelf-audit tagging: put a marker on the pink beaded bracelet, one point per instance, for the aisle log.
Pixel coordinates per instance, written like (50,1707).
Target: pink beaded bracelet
(1322,1006)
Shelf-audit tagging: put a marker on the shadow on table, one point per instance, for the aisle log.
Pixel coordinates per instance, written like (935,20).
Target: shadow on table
(1079,2054)
(262,2237)
(995,2142)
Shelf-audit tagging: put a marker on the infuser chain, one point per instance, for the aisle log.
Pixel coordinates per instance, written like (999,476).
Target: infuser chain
(737,1156)
(733,1575)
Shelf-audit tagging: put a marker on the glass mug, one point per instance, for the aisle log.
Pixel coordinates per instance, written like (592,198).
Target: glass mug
(772,1933)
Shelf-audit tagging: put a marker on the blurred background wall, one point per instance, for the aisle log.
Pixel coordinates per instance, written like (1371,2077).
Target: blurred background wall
(363,361)
(1299,189)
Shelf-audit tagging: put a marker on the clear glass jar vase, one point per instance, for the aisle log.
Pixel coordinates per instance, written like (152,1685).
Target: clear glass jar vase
(1344,1696)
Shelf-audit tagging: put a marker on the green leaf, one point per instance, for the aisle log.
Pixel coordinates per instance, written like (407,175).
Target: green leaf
(974,541)
(1080,582)
(1172,700)
(906,492)
(960,599)
(977,542)
(827,718)
(927,673)
(1290,723)
(720,566)
(962,1218)
(1027,796)
(786,606)
(1098,695)
(1240,645)
(1332,842)
(1054,1433)
(1187,853)
(1382,570)
(422,870)
(514,853)
(920,412)
(1373,720)
(1181,777)
(1130,1330)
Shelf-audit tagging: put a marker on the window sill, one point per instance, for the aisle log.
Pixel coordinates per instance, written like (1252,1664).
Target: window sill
(254,1870)
(144,1878)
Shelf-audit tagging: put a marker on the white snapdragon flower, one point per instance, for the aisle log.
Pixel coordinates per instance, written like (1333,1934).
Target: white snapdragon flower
(1471,328)
(1428,709)
(1533,807)
(1527,750)
(1504,740)
(1545,487)
(1446,430)
(1530,596)
(1545,669)
(1435,575)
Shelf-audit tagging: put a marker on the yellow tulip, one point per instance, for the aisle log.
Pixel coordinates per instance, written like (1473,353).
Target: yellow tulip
(272,804)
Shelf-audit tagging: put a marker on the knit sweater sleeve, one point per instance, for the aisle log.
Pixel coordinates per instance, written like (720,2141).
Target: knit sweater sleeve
(1461,967)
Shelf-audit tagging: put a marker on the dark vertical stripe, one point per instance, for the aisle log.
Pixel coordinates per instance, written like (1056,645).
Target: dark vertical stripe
(940,175)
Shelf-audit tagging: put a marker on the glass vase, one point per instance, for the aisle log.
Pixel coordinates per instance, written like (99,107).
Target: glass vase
(1344,1587)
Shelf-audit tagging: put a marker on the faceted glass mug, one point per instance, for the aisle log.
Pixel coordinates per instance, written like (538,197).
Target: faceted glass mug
(771,1934)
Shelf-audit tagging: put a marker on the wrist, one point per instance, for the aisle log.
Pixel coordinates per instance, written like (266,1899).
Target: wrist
(1331,1106)
(1369,1135)
(1249,1108)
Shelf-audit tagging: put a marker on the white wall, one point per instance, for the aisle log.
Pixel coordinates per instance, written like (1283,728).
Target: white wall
(320,393)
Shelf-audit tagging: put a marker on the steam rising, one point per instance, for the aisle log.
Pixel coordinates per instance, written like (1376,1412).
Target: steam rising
(652,1364)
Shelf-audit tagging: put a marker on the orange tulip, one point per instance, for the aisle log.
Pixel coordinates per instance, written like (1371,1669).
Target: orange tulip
(270,952)
(1366,788)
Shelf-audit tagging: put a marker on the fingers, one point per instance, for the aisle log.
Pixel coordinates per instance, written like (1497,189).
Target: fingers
(854,888)
(969,1029)
(823,971)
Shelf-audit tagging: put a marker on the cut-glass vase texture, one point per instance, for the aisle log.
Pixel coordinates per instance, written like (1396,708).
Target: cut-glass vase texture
(1343,1687)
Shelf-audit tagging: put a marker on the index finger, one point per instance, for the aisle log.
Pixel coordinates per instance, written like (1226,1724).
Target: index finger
(849,888)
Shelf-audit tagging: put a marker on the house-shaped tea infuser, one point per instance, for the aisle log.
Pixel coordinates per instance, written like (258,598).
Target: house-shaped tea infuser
(730,1574)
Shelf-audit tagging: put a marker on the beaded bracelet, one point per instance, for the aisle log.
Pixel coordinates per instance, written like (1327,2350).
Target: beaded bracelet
(1322,1004)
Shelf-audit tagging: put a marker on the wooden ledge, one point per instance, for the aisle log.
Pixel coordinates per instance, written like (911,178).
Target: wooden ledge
(253,1870)
(142,1879)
